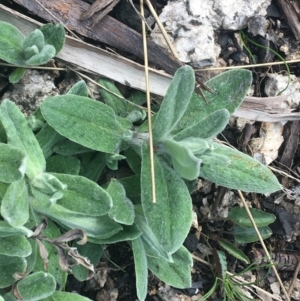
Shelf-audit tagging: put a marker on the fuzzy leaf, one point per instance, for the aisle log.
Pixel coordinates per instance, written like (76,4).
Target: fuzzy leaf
(221,264)
(80,89)
(15,204)
(233,250)
(47,138)
(178,273)
(42,57)
(84,196)
(16,245)
(35,38)
(239,172)
(122,210)
(11,42)
(7,230)
(174,104)
(91,251)
(133,160)
(10,265)
(36,286)
(240,217)
(31,259)
(141,268)
(94,125)
(170,217)
(151,244)
(116,103)
(98,227)
(63,164)
(12,163)
(54,35)
(16,75)
(92,165)
(184,162)
(68,148)
(65,296)
(245,235)
(229,88)
(20,136)
(206,128)
(127,233)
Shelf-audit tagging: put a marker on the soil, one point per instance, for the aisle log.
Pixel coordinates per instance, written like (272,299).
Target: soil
(115,279)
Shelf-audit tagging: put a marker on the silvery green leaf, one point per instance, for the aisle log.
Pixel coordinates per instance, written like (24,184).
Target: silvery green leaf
(229,88)
(170,217)
(176,273)
(206,128)
(20,136)
(92,165)
(63,164)
(16,75)
(84,196)
(132,185)
(42,57)
(47,138)
(239,171)
(11,38)
(245,235)
(31,259)
(174,104)
(141,268)
(36,286)
(151,244)
(94,126)
(122,210)
(133,160)
(15,204)
(54,35)
(47,188)
(239,216)
(12,163)
(184,162)
(16,245)
(68,148)
(98,227)
(7,230)
(9,265)
(118,104)
(127,233)
(80,89)
(65,296)
(35,38)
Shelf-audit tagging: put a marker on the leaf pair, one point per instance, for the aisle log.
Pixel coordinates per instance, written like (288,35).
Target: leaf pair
(38,48)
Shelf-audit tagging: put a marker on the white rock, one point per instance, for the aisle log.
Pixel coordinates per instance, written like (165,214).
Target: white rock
(191,24)
(277,82)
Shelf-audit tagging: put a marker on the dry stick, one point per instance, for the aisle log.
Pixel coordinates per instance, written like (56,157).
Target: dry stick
(162,29)
(263,245)
(292,284)
(248,66)
(148,105)
(284,173)
(237,278)
(57,19)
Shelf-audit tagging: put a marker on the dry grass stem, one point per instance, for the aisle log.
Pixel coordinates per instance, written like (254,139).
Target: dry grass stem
(263,245)
(148,105)
(162,29)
